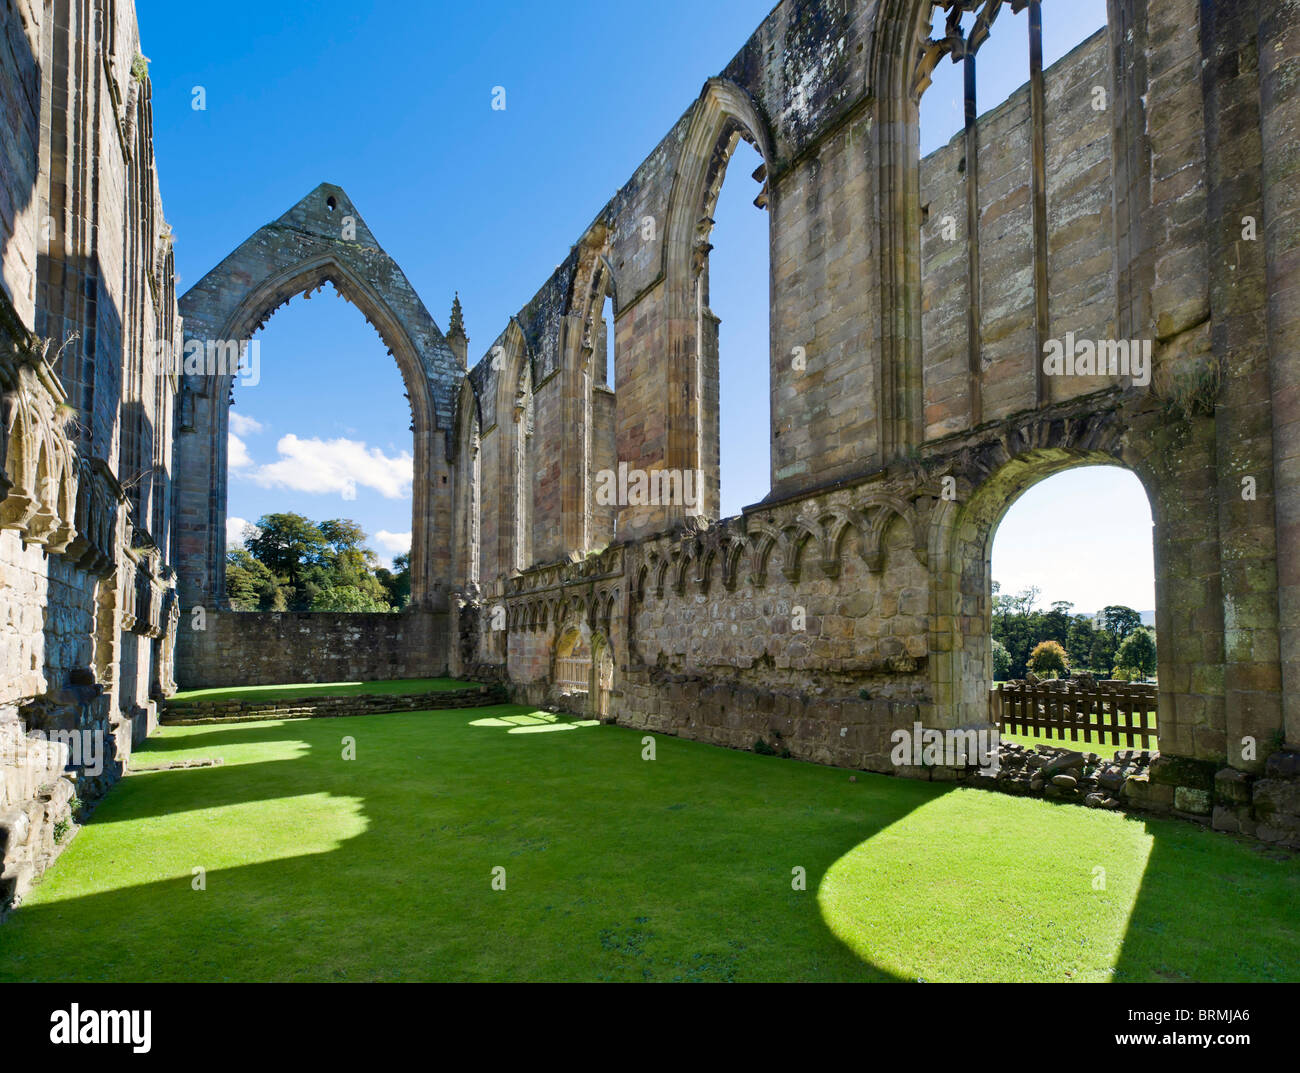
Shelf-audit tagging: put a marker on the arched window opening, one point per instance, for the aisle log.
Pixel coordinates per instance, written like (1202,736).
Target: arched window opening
(1077,602)
(999,44)
(319,482)
(942,105)
(474,535)
(735,288)
(605,367)
(600,518)
(523,468)
(573,662)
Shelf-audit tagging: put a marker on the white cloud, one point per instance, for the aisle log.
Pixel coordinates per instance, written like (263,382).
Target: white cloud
(397,543)
(339,465)
(244,425)
(235,531)
(237,454)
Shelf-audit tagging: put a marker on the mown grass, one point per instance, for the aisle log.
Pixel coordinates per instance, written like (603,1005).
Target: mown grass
(684,867)
(303,690)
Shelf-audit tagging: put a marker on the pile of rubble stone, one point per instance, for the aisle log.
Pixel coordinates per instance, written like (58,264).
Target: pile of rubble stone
(1062,774)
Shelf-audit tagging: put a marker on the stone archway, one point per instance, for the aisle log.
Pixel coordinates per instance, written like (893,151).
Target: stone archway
(989,480)
(321,239)
(723,115)
(966,575)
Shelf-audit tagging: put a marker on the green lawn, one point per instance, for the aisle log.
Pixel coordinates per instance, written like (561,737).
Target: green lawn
(323,689)
(620,868)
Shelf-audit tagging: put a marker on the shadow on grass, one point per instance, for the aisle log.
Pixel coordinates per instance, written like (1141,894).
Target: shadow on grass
(382,867)
(1212,908)
(977,885)
(616,868)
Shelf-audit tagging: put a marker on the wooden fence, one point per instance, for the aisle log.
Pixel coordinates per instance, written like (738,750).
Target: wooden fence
(1084,713)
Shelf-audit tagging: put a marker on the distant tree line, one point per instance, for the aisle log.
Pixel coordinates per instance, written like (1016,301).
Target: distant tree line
(290,563)
(1056,641)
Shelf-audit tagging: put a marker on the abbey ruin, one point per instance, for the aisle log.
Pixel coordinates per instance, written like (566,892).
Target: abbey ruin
(1134,204)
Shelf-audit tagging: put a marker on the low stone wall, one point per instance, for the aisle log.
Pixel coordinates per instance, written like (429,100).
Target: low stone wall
(845,731)
(232,648)
(1264,806)
(198,713)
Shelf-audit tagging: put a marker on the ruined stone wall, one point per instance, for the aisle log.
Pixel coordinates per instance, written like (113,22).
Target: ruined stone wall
(798,83)
(897,444)
(87,319)
(819,187)
(26,595)
(35,802)
(20,92)
(235,648)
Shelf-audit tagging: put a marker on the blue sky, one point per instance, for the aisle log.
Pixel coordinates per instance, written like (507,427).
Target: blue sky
(397,110)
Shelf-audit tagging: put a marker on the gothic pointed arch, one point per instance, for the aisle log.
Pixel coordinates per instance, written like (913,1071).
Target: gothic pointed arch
(515,416)
(588,391)
(321,239)
(722,116)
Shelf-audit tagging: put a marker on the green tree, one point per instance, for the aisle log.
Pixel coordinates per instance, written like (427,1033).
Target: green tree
(1137,652)
(293,548)
(1079,639)
(1001,662)
(1017,625)
(1119,621)
(1048,657)
(347,598)
(397,582)
(1022,603)
(314,567)
(1102,654)
(250,585)
(350,564)
(1056,623)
